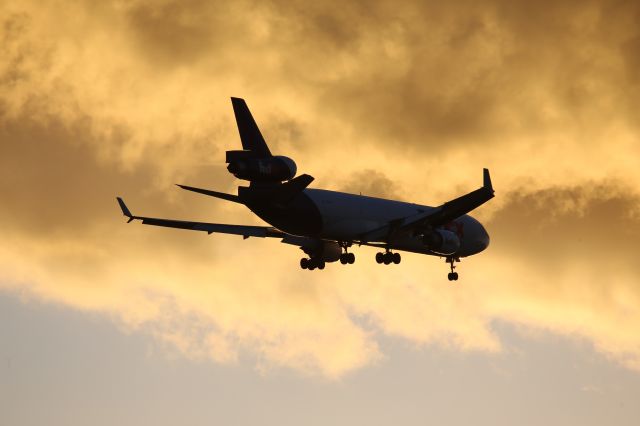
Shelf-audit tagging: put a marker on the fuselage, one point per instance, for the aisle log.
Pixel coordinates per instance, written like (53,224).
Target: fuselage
(340,216)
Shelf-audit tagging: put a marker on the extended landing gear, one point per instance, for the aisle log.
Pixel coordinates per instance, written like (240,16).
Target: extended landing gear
(452,276)
(388,257)
(311,264)
(346,257)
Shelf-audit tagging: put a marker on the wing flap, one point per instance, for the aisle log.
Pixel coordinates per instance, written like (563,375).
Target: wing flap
(244,230)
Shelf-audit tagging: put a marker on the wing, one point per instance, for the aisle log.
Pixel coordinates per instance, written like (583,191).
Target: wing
(209,228)
(462,205)
(436,217)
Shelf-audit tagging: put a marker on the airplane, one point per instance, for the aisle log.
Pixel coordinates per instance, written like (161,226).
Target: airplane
(325,224)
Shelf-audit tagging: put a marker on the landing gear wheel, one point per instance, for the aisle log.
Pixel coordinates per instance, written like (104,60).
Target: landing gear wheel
(304,263)
(379,257)
(452,276)
(312,264)
(321,264)
(388,258)
(351,258)
(396,258)
(344,258)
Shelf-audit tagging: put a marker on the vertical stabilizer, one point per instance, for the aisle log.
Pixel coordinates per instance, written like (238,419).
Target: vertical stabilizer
(250,135)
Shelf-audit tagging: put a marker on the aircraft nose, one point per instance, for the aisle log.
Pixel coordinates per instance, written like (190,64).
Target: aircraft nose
(483,239)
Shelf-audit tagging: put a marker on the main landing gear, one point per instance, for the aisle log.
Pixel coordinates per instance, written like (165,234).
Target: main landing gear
(452,276)
(318,260)
(311,263)
(346,257)
(387,257)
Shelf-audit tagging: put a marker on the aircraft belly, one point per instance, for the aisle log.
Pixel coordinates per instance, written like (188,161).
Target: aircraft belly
(411,244)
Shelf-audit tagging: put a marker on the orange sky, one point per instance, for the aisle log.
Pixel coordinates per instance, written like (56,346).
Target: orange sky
(406,101)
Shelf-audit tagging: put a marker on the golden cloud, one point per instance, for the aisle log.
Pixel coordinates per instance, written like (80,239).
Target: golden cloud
(128,97)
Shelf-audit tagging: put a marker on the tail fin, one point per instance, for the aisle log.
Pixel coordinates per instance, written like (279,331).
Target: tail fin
(250,135)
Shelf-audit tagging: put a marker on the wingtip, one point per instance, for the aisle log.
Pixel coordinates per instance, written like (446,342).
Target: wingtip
(125,209)
(486,178)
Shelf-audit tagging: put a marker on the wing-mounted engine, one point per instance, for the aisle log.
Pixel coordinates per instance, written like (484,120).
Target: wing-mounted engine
(441,241)
(247,166)
(326,251)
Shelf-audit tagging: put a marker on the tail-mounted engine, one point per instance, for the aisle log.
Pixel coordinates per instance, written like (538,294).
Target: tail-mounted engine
(245,165)
(442,242)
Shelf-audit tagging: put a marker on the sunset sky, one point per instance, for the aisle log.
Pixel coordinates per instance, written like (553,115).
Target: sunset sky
(106,323)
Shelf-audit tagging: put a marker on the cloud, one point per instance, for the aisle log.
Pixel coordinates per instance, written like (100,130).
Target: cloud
(372,183)
(572,265)
(407,101)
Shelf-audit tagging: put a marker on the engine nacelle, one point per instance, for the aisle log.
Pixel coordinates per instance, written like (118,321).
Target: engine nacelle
(327,251)
(442,242)
(272,169)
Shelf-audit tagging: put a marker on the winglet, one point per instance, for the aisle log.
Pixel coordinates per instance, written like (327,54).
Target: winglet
(486,178)
(125,209)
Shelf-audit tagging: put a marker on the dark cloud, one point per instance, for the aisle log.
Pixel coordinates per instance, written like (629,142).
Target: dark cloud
(372,183)
(180,32)
(471,70)
(54,184)
(597,226)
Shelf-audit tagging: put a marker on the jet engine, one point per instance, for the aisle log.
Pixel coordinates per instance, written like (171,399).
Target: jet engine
(327,251)
(243,165)
(442,242)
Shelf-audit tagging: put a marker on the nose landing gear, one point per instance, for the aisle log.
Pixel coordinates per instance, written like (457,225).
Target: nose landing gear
(452,276)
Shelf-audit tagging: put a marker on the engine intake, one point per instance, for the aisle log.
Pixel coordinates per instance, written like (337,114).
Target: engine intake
(442,242)
(273,169)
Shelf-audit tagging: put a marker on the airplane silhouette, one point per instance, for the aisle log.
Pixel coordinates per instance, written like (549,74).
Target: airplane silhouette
(325,224)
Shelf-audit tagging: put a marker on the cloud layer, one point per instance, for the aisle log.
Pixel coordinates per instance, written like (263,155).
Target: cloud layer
(127,98)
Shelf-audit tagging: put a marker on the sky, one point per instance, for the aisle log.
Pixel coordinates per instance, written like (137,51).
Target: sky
(103,322)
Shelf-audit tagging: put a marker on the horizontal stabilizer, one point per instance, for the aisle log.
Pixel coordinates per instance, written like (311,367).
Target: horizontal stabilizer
(250,135)
(222,195)
(285,192)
